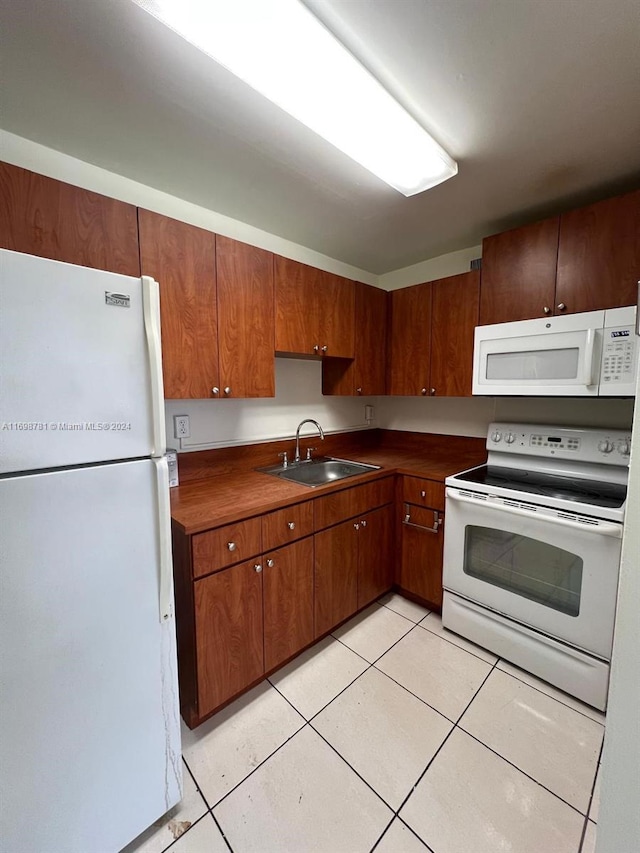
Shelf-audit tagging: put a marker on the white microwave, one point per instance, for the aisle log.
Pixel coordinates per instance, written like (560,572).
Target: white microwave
(594,354)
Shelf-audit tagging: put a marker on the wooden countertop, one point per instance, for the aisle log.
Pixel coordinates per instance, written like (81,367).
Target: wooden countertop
(221,486)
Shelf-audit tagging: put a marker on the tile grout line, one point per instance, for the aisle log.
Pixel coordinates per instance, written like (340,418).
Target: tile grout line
(593,790)
(206,802)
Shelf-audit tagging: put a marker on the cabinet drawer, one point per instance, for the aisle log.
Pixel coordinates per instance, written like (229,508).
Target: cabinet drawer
(332,509)
(226,545)
(430,493)
(286,525)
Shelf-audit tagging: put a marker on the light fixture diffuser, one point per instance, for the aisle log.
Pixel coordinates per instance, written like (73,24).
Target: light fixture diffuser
(280,49)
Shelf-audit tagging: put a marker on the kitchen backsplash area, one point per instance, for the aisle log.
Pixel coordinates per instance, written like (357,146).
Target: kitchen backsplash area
(221,423)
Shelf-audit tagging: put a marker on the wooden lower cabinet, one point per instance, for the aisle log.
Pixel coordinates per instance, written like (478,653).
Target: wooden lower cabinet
(287,586)
(336,575)
(375,554)
(229,633)
(420,571)
(353,566)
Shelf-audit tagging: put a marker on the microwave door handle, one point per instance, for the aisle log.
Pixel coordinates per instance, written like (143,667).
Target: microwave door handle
(600,528)
(586,378)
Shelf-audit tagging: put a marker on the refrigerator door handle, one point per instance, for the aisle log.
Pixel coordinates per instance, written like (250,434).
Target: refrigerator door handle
(164,537)
(151,311)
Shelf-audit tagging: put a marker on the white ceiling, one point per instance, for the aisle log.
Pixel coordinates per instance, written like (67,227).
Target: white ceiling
(538,100)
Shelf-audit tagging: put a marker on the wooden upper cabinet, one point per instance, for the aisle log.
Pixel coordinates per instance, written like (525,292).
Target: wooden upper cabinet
(244,278)
(599,255)
(410,340)
(182,259)
(44,217)
(366,374)
(314,309)
(519,273)
(455,310)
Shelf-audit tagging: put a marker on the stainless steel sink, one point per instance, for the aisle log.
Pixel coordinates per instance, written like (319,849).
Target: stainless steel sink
(320,471)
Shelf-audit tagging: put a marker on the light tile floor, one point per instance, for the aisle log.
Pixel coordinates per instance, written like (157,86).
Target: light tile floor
(393,735)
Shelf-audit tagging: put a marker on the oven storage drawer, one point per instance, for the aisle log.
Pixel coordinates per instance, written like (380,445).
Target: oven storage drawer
(578,674)
(550,570)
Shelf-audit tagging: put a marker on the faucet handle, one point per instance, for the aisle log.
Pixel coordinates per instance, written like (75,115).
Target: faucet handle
(284,457)
(309,451)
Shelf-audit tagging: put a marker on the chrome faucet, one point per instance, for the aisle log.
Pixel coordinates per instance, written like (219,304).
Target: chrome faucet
(302,423)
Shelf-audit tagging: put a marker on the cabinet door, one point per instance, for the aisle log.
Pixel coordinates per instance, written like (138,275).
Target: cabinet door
(182,259)
(246,319)
(455,305)
(599,255)
(366,374)
(519,273)
(410,341)
(297,307)
(288,601)
(336,575)
(51,219)
(335,308)
(229,634)
(421,562)
(375,554)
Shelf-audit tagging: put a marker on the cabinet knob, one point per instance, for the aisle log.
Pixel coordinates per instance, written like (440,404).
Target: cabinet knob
(546,309)
(316,348)
(257,568)
(423,391)
(324,348)
(561,306)
(231,546)
(356,526)
(291,525)
(270,563)
(363,523)
(433,392)
(227,390)
(358,390)
(215,390)
(423,494)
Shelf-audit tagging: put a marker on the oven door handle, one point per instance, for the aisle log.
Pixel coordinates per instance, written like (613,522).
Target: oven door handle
(601,528)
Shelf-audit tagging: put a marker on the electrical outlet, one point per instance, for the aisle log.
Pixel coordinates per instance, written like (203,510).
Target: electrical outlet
(368,413)
(181,426)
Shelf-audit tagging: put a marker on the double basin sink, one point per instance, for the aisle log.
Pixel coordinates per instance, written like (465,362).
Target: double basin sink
(318,472)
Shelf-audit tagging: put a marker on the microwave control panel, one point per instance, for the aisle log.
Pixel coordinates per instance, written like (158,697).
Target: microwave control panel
(619,359)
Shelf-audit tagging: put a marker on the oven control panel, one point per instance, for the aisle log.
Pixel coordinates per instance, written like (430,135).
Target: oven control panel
(610,447)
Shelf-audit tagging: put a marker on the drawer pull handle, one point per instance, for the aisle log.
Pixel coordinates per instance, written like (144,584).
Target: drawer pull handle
(257,568)
(291,525)
(437,521)
(270,563)
(423,494)
(231,546)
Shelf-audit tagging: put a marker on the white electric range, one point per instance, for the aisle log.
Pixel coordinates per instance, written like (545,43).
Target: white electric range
(532,551)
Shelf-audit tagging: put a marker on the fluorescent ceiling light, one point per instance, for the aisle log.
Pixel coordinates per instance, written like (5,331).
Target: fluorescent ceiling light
(282,51)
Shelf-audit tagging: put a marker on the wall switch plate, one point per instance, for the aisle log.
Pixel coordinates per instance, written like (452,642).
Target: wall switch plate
(368,413)
(181,426)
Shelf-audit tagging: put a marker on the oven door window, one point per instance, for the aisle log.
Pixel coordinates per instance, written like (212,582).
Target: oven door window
(528,567)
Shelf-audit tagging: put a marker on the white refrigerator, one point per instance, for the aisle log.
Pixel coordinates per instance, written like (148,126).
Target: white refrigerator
(89,721)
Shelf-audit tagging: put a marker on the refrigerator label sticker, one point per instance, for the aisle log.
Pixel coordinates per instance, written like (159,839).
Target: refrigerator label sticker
(121,300)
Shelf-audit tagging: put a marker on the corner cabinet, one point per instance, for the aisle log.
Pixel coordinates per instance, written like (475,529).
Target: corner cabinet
(410,341)
(48,218)
(366,374)
(431,338)
(216,307)
(315,311)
